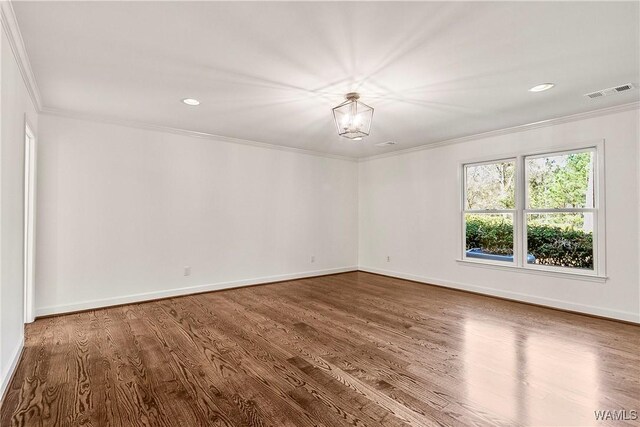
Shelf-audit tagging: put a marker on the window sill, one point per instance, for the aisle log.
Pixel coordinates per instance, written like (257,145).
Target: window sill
(561,274)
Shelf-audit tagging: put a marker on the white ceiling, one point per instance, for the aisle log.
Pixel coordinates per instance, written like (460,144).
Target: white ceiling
(271,72)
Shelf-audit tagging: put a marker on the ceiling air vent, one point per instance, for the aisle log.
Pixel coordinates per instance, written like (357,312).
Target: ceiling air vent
(610,91)
(595,94)
(384,144)
(624,87)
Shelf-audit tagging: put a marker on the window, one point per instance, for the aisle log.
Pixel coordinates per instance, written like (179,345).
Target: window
(490,210)
(541,211)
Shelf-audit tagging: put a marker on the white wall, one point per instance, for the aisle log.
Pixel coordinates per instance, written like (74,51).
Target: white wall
(14,105)
(409,208)
(122,210)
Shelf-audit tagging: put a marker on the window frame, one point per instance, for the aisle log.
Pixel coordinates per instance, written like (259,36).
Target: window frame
(513,212)
(522,209)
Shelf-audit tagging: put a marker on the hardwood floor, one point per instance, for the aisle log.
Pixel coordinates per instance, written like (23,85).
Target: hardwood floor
(349,349)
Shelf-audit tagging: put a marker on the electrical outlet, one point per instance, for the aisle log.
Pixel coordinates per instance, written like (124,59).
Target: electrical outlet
(388,258)
(313,258)
(187,271)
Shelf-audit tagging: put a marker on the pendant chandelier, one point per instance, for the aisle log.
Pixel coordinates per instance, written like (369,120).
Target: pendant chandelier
(353,118)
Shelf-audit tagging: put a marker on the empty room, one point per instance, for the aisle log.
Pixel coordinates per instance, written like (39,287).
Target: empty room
(339,213)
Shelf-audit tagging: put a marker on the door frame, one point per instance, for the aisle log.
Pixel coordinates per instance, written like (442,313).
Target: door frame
(29,221)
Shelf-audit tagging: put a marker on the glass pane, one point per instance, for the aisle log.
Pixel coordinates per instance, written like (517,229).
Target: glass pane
(490,186)
(489,236)
(561,181)
(560,239)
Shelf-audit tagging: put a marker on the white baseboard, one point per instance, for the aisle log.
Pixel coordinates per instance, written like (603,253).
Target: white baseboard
(148,296)
(516,296)
(7,373)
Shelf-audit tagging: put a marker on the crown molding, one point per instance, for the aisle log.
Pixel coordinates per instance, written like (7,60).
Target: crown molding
(514,129)
(12,30)
(194,134)
(185,132)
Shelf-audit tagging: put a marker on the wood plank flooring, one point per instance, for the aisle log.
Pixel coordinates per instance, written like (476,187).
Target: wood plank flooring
(349,349)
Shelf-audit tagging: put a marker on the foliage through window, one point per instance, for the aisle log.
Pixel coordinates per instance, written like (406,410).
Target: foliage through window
(491,186)
(554,205)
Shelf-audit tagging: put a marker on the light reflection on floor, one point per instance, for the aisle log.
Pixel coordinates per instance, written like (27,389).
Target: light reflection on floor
(529,378)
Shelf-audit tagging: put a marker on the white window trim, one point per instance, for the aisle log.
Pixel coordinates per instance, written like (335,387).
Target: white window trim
(598,274)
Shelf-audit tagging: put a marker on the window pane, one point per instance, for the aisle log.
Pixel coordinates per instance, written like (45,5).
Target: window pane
(560,239)
(489,236)
(490,186)
(561,181)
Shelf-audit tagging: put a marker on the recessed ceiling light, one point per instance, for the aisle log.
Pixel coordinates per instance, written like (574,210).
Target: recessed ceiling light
(357,139)
(191,101)
(541,87)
